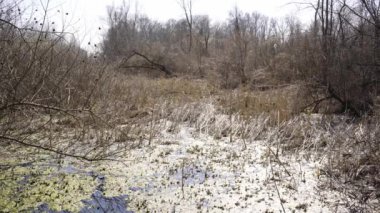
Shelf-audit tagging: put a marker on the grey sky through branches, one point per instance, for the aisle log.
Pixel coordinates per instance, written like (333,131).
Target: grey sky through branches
(87,18)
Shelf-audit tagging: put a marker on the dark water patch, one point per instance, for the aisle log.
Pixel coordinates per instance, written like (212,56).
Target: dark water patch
(44,208)
(99,204)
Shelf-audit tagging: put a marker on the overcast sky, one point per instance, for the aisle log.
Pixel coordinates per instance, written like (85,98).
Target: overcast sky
(86,16)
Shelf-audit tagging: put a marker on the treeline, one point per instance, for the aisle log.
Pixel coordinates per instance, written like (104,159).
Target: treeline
(336,57)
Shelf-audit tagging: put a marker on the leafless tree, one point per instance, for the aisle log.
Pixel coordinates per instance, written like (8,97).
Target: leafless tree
(202,25)
(187,7)
(240,43)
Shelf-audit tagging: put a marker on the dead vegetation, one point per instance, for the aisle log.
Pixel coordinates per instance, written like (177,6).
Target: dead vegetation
(348,147)
(249,83)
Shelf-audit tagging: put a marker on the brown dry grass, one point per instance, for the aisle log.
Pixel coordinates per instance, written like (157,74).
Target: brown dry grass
(129,96)
(277,103)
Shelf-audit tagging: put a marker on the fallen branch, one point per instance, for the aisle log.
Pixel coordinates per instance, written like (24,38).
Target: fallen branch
(346,105)
(152,64)
(315,104)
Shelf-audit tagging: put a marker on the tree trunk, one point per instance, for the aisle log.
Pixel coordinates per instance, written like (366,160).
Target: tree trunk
(377,44)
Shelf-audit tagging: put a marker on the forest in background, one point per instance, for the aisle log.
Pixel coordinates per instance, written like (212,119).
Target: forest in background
(60,100)
(335,58)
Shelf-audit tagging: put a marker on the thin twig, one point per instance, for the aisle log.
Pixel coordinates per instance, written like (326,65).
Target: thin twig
(279,161)
(275,184)
(54,150)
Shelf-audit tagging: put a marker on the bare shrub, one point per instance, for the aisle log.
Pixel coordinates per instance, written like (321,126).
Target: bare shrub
(46,81)
(348,148)
(283,69)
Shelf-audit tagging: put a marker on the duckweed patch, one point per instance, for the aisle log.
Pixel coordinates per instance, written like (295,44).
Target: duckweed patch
(25,188)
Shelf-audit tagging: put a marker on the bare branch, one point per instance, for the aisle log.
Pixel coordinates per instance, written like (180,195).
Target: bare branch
(54,150)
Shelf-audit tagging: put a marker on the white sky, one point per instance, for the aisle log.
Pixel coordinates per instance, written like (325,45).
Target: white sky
(86,16)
